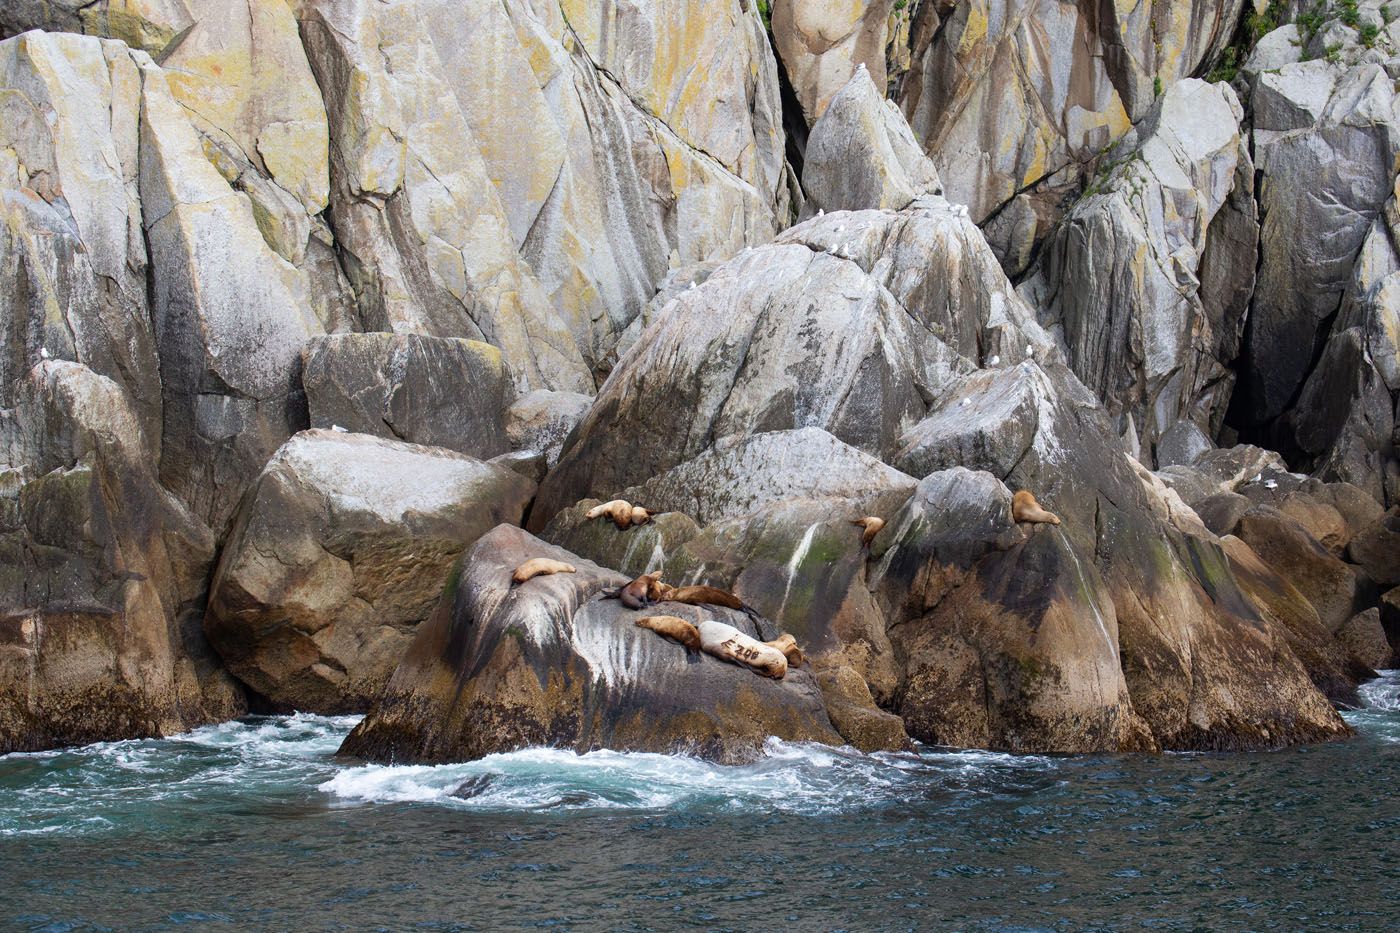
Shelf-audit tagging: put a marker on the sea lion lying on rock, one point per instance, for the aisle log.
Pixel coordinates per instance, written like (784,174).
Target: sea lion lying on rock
(623,513)
(539,567)
(788,646)
(675,628)
(728,643)
(1024,508)
(700,596)
(872,525)
(639,593)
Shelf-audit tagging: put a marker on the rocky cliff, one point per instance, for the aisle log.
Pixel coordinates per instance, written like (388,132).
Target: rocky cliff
(312,306)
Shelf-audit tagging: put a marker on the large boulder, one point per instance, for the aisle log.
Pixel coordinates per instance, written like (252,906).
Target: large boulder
(338,552)
(102,575)
(1376,547)
(861,154)
(498,668)
(1196,653)
(435,391)
(1008,638)
(737,478)
(542,420)
(850,322)
(1364,637)
(770,519)
(1326,582)
(1330,665)
(1119,280)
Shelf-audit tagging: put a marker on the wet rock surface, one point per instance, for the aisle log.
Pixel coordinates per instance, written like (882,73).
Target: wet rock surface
(552,663)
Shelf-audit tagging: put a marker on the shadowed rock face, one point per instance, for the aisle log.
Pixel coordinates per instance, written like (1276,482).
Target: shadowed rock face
(338,553)
(1120,279)
(436,391)
(550,663)
(1007,637)
(102,576)
(1193,648)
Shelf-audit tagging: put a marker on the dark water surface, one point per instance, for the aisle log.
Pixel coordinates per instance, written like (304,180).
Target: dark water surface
(255,824)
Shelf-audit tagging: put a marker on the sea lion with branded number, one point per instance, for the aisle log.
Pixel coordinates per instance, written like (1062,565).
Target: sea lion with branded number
(675,628)
(622,513)
(729,644)
(872,525)
(1024,508)
(539,567)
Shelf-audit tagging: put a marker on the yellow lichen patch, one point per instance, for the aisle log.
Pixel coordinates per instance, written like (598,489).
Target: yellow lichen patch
(975,30)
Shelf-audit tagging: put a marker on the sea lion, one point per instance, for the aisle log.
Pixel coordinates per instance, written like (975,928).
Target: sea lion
(730,644)
(872,526)
(788,646)
(659,592)
(636,594)
(539,567)
(623,513)
(707,596)
(675,628)
(1024,508)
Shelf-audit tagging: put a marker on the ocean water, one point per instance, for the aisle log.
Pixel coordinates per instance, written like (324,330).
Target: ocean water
(255,824)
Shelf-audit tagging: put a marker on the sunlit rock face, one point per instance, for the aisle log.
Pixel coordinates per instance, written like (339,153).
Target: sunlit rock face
(310,306)
(536,201)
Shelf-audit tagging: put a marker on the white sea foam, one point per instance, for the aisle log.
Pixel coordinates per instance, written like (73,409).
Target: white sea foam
(790,777)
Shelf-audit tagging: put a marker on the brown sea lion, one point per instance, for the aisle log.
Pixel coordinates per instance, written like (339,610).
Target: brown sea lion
(1024,508)
(705,596)
(623,513)
(728,643)
(673,627)
(872,526)
(539,567)
(788,646)
(659,592)
(636,594)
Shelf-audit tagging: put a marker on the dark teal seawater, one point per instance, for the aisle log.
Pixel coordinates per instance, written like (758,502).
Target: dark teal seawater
(254,824)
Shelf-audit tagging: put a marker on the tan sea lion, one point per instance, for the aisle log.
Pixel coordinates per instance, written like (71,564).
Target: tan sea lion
(623,513)
(872,526)
(1024,508)
(675,628)
(659,592)
(728,643)
(539,567)
(788,646)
